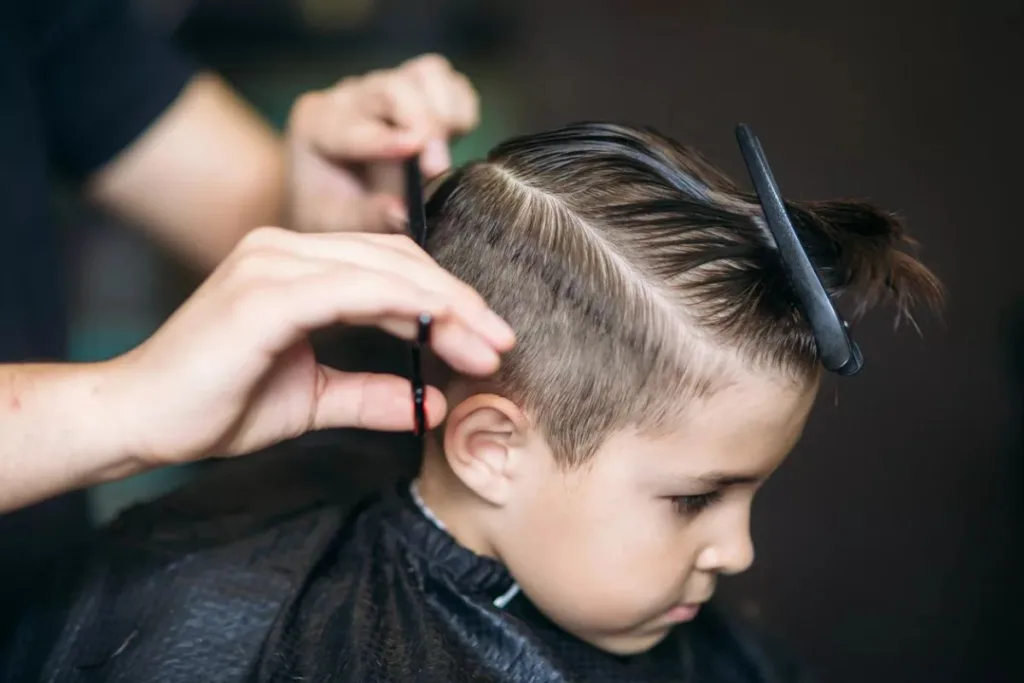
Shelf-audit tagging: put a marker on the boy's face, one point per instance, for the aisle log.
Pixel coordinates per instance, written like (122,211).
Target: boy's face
(623,548)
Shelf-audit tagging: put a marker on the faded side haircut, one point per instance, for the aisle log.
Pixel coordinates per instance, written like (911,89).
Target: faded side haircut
(638,277)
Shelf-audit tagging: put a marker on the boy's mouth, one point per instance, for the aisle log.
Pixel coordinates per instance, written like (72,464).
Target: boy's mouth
(683,612)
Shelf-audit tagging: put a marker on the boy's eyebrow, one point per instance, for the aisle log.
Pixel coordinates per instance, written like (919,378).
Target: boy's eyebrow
(724,480)
(713,480)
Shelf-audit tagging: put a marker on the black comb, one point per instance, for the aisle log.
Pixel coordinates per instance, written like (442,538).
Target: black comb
(838,352)
(418,230)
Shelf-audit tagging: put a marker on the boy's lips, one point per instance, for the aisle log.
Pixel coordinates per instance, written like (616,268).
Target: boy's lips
(683,612)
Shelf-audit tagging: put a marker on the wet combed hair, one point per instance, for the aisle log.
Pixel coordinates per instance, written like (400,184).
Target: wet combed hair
(638,277)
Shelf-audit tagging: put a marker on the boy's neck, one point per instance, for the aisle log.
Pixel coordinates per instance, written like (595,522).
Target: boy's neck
(458,509)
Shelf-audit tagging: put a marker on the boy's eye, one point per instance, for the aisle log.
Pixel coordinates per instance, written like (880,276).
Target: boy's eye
(691,505)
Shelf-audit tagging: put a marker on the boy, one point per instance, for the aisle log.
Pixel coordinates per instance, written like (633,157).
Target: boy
(573,514)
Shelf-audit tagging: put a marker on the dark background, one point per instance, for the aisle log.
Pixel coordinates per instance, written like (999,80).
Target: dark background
(889,544)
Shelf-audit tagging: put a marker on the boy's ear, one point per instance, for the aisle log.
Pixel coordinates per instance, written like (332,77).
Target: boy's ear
(482,437)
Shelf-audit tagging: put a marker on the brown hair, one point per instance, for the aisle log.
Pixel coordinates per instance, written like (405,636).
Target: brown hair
(638,276)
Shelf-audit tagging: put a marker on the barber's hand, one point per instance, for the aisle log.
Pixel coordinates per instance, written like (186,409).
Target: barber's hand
(346,143)
(232,371)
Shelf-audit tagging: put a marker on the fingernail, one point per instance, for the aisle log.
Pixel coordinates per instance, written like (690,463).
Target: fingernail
(436,158)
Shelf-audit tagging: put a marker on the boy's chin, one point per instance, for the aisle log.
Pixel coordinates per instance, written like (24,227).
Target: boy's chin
(626,644)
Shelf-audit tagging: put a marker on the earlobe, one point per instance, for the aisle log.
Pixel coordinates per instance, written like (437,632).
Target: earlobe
(482,437)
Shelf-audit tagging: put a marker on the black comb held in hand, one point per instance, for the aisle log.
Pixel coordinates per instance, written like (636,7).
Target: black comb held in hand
(418,230)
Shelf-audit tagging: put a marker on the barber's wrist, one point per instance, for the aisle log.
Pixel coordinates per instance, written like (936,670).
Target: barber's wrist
(127,404)
(61,428)
(102,422)
(117,420)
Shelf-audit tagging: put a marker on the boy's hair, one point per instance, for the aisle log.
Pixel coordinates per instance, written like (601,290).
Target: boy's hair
(637,276)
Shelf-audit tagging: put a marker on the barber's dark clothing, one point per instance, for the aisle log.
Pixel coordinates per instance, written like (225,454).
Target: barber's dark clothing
(80,80)
(334,587)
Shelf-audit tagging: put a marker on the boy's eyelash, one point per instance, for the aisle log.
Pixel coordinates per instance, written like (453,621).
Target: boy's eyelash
(691,505)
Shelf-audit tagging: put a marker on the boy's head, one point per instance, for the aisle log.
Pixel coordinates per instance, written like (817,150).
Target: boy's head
(662,369)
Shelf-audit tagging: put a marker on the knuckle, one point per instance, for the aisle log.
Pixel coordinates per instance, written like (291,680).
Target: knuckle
(472,99)
(362,280)
(370,78)
(469,90)
(387,243)
(304,110)
(305,101)
(343,92)
(463,83)
(352,88)
(469,120)
(388,83)
(431,62)
(349,82)
(252,269)
(403,242)
(248,303)
(394,94)
(407,92)
(399,238)
(260,238)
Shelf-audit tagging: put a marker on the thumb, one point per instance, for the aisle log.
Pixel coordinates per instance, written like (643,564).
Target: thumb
(367,140)
(378,213)
(371,401)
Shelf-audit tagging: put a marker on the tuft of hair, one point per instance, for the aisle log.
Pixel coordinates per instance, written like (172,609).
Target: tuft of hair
(638,277)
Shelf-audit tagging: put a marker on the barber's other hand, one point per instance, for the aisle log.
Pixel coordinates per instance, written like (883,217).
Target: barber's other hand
(346,143)
(232,371)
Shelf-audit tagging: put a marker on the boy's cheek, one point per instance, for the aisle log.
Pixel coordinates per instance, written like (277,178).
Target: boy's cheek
(594,582)
(617,616)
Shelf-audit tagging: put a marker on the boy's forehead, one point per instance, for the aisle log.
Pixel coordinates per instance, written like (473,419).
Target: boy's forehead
(754,401)
(745,429)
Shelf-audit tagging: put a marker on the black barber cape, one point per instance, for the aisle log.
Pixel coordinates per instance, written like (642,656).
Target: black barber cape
(344,588)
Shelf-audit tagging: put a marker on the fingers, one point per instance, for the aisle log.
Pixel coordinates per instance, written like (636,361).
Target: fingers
(449,93)
(415,108)
(390,259)
(336,125)
(394,255)
(363,297)
(368,401)
(453,105)
(378,213)
(287,285)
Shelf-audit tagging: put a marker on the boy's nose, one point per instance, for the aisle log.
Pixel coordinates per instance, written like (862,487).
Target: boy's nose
(738,555)
(729,554)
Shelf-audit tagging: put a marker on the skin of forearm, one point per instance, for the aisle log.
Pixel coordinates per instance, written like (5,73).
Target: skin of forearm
(58,432)
(206,172)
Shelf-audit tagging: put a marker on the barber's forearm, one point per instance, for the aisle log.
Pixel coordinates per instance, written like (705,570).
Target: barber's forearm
(59,431)
(206,172)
